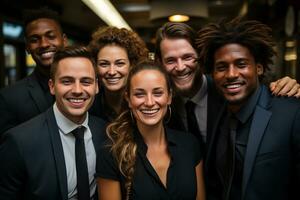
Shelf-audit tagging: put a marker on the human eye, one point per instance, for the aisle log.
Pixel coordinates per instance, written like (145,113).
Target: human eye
(188,57)
(120,63)
(220,67)
(103,64)
(33,39)
(66,81)
(51,36)
(138,94)
(86,81)
(158,93)
(170,61)
(242,63)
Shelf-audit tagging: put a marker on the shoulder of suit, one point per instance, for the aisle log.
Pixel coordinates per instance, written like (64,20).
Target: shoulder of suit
(27,130)
(17,88)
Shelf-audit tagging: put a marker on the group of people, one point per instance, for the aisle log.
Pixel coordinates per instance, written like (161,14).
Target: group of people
(105,122)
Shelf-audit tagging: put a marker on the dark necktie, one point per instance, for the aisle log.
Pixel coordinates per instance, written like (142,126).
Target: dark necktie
(226,154)
(191,119)
(83,186)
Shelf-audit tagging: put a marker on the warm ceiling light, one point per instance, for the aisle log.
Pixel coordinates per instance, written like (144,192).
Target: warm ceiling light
(179,18)
(107,12)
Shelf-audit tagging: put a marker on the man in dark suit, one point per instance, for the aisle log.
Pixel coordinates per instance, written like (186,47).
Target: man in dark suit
(254,150)
(196,101)
(30,96)
(39,157)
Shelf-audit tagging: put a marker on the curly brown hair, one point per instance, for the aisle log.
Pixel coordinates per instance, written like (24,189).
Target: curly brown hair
(254,35)
(135,47)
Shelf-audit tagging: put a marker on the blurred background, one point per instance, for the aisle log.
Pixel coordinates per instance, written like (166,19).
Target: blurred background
(80,18)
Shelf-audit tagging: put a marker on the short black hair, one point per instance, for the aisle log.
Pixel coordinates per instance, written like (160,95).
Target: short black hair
(30,15)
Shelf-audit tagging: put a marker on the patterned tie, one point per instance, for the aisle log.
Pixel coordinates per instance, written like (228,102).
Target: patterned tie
(83,186)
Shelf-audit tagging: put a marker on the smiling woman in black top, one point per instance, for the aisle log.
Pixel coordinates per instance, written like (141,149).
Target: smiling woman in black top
(143,159)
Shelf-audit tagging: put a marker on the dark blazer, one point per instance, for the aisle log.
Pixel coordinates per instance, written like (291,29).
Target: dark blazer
(272,160)
(214,103)
(21,102)
(32,159)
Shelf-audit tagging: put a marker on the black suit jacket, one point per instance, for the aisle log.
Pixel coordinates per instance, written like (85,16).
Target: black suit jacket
(214,104)
(21,102)
(32,159)
(272,160)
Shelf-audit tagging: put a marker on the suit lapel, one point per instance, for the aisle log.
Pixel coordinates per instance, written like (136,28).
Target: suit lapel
(212,138)
(259,123)
(37,93)
(58,153)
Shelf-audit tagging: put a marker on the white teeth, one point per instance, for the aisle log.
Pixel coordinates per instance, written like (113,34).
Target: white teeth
(182,76)
(113,80)
(47,54)
(233,86)
(150,111)
(76,100)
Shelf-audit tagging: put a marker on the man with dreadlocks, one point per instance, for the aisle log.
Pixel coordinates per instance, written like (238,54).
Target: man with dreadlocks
(254,150)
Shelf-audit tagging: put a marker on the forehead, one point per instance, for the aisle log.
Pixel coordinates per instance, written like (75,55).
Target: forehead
(75,67)
(148,79)
(176,47)
(232,51)
(112,51)
(42,25)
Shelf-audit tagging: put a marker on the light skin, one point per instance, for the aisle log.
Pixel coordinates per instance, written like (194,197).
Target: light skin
(148,99)
(113,66)
(236,74)
(74,87)
(179,59)
(43,38)
(174,55)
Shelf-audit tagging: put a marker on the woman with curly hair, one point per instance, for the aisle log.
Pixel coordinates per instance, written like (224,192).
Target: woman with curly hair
(142,158)
(115,50)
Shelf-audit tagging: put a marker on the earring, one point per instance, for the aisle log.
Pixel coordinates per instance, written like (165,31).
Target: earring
(169,114)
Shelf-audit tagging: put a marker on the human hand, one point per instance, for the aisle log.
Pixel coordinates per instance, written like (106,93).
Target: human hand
(285,86)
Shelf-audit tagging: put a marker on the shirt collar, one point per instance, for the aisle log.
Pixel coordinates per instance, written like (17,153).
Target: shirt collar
(142,145)
(64,124)
(246,111)
(197,98)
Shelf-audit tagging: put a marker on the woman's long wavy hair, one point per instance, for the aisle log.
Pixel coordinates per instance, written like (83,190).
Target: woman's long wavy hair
(120,131)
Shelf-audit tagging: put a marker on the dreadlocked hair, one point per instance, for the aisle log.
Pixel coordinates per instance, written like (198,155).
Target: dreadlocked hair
(254,35)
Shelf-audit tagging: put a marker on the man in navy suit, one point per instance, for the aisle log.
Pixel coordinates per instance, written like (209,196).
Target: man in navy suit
(38,158)
(254,151)
(30,96)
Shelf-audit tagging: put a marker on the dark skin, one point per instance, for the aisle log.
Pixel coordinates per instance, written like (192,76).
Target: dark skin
(43,38)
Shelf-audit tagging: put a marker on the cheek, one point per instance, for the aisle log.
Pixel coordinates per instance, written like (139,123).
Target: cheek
(101,71)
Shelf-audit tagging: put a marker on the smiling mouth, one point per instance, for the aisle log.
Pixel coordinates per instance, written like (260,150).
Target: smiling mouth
(47,55)
(113,80)
(77,102)
(149,112)
(183,76)
(233,87)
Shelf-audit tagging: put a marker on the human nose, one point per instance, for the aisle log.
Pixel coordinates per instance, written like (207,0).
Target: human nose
(180,66)
(149,100)
(232,72)
(44,42)
(77,88)
(112,69)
